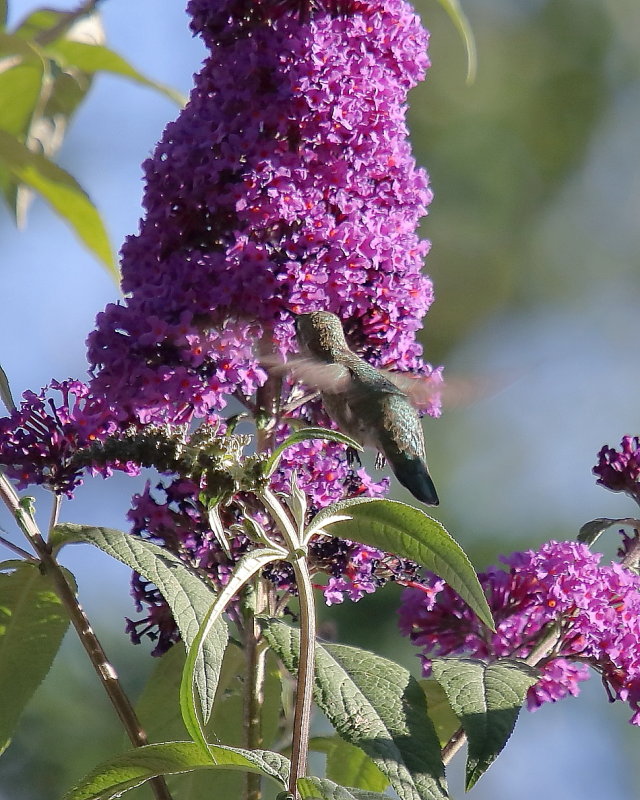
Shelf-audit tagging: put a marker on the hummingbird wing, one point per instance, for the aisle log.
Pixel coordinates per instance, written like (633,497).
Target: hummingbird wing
(316,374)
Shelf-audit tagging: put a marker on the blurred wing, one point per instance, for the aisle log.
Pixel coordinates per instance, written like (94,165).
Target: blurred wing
(318,375)
(426,392)
(422,391)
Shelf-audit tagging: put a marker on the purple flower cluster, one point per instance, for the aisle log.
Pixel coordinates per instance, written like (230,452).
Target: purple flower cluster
(595,608)
(619,470)
(170,515)
(286,184)
(39,442)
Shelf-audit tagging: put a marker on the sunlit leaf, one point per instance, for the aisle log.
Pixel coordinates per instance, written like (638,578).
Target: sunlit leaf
(375,705)
(63,193)
(137,766)
(410,533)
(33,622)
(191,703)
(487,698)
(98,58)
(188,596)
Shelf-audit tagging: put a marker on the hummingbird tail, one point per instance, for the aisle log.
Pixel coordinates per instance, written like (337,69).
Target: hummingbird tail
(413,475)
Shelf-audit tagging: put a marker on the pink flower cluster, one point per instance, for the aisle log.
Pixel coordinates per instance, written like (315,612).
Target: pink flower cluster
(595,607)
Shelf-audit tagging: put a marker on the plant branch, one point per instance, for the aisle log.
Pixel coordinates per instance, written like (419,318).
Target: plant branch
(18,550)
(306,660)
(104,669)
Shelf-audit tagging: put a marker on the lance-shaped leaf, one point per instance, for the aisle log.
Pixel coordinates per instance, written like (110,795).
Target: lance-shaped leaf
(459,19)
(188,596)
(91,58)
(591,531)
(5,392)
(348,765)
(410,533)
(302,435)
(248,565)
(376,705)
(63,193)
(32,624)
(324,789)
(137,766)
(487,698)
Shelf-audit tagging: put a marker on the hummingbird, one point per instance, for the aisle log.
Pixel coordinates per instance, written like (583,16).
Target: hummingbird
(372,406)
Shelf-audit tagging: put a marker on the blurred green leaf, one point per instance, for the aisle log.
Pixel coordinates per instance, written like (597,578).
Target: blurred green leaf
(5,392)
(48,24)
(348,765)
(376,705)
(188,596)
(20,87)
(32,624)
(591,531)
(410,533)
(135,767)
(441,714)
(324,789)
(63,193)
(98,58)
(4,10)
(459,19)
(487,698)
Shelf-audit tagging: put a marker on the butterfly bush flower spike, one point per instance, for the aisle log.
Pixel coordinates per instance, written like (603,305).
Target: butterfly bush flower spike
(595,607)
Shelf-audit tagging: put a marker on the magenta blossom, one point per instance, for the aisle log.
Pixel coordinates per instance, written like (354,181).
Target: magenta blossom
(595,610)
(40,441)
(286,184)
(619,470)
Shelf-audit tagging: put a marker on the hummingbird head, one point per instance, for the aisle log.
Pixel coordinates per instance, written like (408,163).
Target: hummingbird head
(320,334)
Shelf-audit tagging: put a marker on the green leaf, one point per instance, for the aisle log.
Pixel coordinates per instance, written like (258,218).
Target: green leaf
(348,765)
(487,698)
(373,704)
(441,714)
(591,531)
(323,789)
(302,435)
(463,26)
(158,710)
(4,10)
(93,58)
(32,624)
(410,533)
(22,72)
(193,712)
(137,766)
(63,193)
(5,392)
(188,596)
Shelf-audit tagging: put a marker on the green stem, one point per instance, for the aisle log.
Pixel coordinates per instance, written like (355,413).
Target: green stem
(306,661)
(255,658)
(97,656)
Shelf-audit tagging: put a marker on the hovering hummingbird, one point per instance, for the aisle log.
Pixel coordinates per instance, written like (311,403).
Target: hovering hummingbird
(370,405)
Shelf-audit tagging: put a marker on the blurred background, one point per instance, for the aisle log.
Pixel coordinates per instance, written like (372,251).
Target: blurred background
(536,240)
